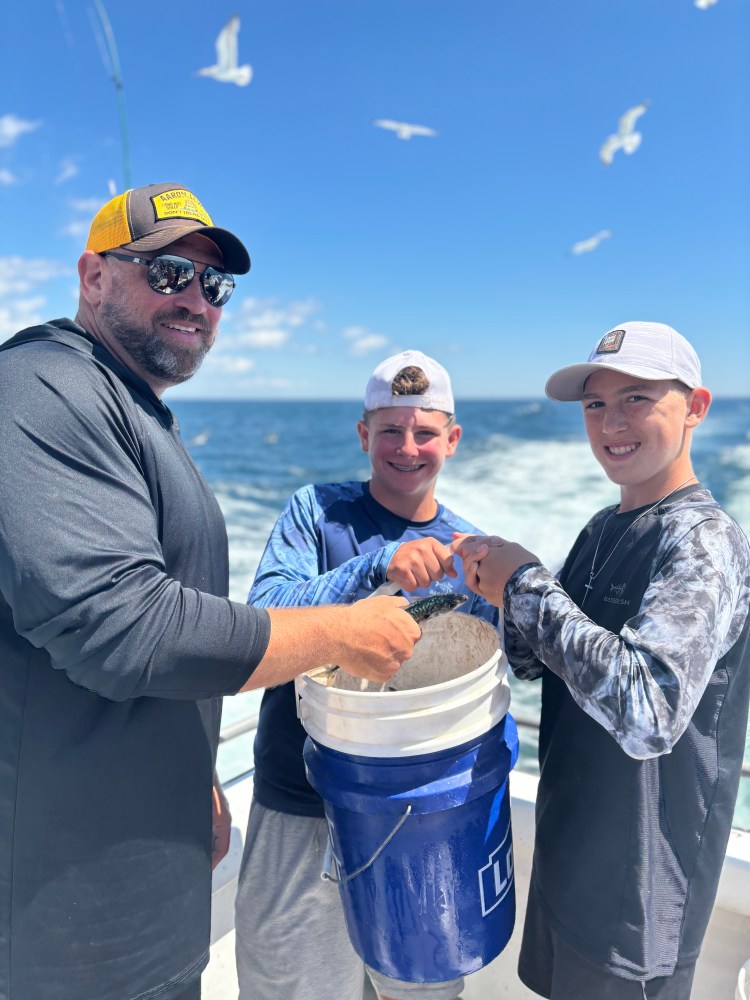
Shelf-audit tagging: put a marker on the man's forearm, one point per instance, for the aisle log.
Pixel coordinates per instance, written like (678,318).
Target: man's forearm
(370,641)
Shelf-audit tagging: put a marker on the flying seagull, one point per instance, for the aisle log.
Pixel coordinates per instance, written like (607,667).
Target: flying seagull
(585,246)
(626,138)
(403,129)
(705,4)
(226,69)
(200,439)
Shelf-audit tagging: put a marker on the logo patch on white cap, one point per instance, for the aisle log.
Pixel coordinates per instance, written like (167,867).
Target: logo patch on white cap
(611,342)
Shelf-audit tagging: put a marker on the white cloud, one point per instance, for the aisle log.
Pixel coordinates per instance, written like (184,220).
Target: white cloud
(263,339)
(20,313)
(228,364)
(6,177)
(256,313)
(354,332)
(89,206)
(265,324)
(68,169)
(368,344)
(18,277)
(363,340)
(78,230)
(273,383)
(11,127)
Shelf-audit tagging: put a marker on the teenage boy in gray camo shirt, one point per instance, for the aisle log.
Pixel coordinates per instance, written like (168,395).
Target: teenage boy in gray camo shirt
(642,647)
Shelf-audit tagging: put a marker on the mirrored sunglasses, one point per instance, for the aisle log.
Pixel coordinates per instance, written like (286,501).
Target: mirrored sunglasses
(169,275)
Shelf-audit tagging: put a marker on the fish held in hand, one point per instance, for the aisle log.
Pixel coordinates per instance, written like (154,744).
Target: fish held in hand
(420,610)
(436,604)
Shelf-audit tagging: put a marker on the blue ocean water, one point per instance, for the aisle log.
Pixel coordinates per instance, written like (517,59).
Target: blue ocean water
(523,469)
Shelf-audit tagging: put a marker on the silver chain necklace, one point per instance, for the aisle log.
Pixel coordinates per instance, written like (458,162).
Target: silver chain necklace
(594,573)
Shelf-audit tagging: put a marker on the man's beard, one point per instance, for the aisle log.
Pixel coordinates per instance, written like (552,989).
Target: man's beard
(170,362)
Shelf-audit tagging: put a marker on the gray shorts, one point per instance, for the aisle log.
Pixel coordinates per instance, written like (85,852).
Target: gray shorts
(292,941)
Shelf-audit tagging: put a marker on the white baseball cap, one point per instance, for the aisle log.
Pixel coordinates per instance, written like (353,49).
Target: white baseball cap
(650,351)
(379,391)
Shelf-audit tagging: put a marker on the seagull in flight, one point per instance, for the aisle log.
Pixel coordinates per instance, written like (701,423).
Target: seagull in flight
(705,4)
(226,69)
(403,129)
(200,439)
(626,138)
(586,246)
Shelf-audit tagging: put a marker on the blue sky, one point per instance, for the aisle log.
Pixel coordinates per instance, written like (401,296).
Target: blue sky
(457,244)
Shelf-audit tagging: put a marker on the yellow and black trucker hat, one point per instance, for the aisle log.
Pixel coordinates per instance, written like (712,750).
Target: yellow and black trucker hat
(151,217)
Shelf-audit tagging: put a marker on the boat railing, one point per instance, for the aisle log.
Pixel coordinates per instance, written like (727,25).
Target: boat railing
(250,724)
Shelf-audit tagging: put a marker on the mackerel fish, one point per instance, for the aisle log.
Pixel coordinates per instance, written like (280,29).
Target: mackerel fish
(436,604)
(421,610)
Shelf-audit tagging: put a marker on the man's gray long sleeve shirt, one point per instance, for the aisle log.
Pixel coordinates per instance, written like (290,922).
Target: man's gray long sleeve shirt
(116,640)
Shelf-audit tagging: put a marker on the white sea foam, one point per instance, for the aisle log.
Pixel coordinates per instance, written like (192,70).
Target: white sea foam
(537,493)
(249,524)
(738,492)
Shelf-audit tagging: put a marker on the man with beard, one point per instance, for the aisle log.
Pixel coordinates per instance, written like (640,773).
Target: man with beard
(117,639)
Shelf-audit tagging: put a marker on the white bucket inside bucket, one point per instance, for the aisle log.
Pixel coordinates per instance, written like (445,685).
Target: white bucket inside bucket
(453,689)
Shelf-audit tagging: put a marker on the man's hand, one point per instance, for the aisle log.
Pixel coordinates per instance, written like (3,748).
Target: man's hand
(489,562)
(377,637)
(419,562)
(370,638)
(221,823)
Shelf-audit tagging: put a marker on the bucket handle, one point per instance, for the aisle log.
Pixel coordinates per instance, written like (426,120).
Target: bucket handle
(326,875)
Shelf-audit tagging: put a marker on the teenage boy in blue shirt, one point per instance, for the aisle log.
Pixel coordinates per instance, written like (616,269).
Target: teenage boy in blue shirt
(336,543)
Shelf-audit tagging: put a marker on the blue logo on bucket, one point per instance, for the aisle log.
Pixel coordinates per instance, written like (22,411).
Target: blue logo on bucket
(496,877)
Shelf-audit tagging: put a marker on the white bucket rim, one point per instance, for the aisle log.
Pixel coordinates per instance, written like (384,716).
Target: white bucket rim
(453,736)
(486,667)
(417,717)
(414,712)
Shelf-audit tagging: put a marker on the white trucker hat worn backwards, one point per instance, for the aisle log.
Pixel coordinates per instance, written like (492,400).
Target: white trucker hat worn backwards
(379,391)
(650,351)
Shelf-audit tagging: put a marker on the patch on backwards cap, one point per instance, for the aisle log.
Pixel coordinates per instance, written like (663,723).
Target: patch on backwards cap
(379,391)
(611,342)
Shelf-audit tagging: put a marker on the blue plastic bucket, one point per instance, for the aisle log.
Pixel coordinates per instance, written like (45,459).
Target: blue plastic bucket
(423,853)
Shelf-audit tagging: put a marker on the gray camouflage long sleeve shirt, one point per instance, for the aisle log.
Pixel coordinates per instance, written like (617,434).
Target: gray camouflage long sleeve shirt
(643,682)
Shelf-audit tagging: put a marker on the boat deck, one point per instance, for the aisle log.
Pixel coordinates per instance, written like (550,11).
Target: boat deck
(725,949)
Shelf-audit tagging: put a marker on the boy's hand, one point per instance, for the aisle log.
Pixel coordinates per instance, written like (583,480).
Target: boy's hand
(489,562)
(418,563)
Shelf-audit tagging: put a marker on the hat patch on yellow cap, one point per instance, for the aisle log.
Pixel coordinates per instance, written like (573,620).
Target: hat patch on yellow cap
(180,204)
